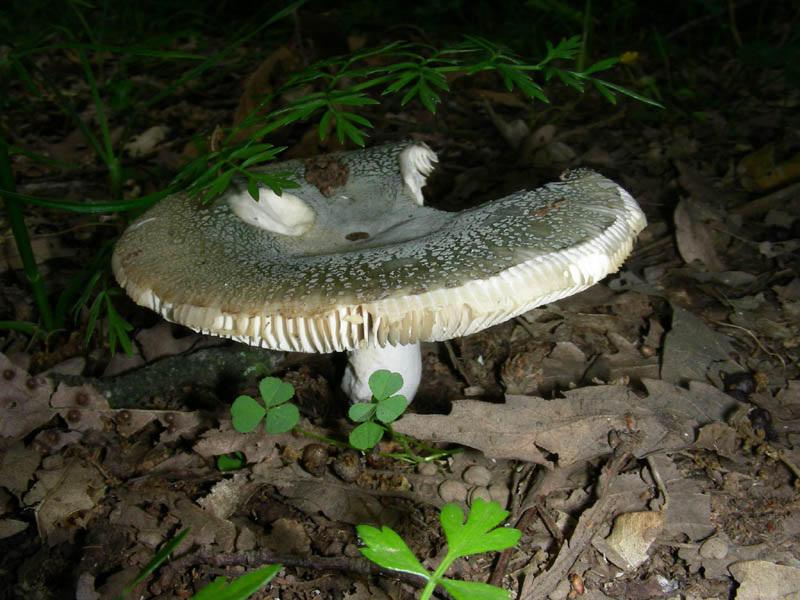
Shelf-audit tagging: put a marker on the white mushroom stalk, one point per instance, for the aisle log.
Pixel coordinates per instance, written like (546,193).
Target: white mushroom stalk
(404,359)
(355,262)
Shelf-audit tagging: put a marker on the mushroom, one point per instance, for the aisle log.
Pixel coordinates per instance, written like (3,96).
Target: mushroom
(353,261)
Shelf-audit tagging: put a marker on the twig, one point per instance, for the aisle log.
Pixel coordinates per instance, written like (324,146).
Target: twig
(764,203)
(755,339)
(551,525)
(590,522)
(501,566)
(457,363)
(545,480)
(659,483)
(520,478)
(526,326)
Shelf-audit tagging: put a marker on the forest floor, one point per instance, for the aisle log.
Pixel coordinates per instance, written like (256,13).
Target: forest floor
(662,403)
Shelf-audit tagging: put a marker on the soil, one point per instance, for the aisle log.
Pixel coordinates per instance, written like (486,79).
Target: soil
(645,433)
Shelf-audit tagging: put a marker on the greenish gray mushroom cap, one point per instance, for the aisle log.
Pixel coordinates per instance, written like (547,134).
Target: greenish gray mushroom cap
(363,263)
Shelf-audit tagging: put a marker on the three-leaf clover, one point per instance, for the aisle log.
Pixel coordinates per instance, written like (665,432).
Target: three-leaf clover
(386,406)
(480,533)
(278,413)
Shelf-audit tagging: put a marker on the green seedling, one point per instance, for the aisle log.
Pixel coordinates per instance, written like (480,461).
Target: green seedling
(231,462)
(238,589)
(386,406)
(219,589)
(375,417)
(278,413)
(480,533)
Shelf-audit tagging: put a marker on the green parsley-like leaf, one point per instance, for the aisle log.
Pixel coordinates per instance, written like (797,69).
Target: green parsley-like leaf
(478,534)
(366,436)
(247,414)
(385,548)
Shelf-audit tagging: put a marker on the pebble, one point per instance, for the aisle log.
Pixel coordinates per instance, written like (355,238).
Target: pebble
(315,459)
(479,492)
(714,547)
(426,468)
(499,494)
(452,490)
(347,466)
(477,475)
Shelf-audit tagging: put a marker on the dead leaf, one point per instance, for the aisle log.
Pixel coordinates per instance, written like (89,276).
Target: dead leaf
(9,527)
(694,237)
(720,438)
(206,529)
(64,498)
(288,536)
(160,340)
(761,580)
(631,537)
(337,501)
(270,73)
(146,142)
(24,404)
(758,172)
(693,351)
(575,428)
(688,512)
(17,467)
(228,495)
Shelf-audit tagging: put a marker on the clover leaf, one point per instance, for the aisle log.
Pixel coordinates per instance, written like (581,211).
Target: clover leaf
(278,413)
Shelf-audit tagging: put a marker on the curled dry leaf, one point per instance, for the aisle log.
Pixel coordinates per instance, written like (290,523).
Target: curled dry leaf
(629,542)
(564,431)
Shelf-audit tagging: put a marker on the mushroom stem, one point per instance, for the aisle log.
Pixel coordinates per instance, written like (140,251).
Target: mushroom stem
(403,359)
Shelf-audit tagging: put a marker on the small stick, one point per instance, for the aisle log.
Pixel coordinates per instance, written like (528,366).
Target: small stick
(589,523)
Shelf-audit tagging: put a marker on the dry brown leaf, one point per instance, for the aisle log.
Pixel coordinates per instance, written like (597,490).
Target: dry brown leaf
(761,580)
(24,404)
(694,237)
(689,508)
(631,537)
(693,351)
(17,466)
(64,499)
(576,428)
(228,495)
(326,494)
(146,142)
(720,438)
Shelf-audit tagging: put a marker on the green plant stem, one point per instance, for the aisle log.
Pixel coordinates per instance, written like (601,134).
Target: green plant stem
(407,442)
(587,18)
(108,156)
(16,221)
(320,438)
(30,329)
